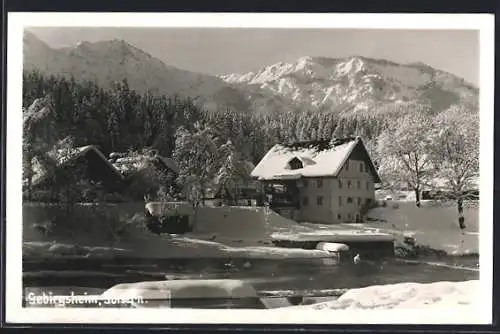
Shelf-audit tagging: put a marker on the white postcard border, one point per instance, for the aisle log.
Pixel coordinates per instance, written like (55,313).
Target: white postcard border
(16,23)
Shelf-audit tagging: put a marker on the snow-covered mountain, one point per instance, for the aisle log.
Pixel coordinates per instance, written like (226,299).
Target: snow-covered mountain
(360,81)
(110,61)
(353,83)
(38,54)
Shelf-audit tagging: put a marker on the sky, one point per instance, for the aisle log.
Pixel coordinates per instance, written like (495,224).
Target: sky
(238,50)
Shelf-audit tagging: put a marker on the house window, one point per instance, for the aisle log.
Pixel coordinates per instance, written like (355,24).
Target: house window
(368,201)
(367,185)
(340,200)
(349,184)
(347,165)
(305,201)
(359,201)
(339,216)
(349,199)
(319,200)
(319,183)
(359,184)
(349,217)
(305,183)
(361,169)
(340,184)
(295,163)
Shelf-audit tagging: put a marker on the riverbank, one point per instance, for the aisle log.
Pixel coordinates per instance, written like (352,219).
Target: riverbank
(227,232)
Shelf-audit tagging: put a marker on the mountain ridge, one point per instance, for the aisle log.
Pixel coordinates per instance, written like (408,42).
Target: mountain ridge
(356,79)
(310,82)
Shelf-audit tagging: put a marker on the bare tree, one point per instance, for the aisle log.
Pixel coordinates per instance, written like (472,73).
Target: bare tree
(404,149)
(455,156)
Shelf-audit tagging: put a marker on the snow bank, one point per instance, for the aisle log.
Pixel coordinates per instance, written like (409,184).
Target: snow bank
(174,247)
(182,289)
(406,295)
(181,246)
(335,236)
(278,253)
(44,249)
(167,291)
(219,232)
(416,296)
(231,222)
(332,247)
(435,226)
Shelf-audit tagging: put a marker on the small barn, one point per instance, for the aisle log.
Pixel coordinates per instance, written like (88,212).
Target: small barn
(86,162)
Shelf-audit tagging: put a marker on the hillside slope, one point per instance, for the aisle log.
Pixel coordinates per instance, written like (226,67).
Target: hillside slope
(106,62)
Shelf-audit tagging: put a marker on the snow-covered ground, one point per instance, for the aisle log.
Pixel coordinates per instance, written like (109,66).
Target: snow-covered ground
(249,231)
(176,247)
(340,235)
(220,232)
(433,224)
(438,295)
(404,296)
(401,195)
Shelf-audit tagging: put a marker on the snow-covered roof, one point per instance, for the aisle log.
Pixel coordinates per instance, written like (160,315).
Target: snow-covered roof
(319,158)
(134,164)
(63,156)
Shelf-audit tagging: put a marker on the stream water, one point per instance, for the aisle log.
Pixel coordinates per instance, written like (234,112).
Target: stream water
(300,276)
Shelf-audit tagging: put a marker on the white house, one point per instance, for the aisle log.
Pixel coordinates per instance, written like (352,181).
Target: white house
(325,181)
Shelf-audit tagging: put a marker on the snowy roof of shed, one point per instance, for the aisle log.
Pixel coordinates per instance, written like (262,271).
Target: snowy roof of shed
(133,164)
(64,156)
(319,158)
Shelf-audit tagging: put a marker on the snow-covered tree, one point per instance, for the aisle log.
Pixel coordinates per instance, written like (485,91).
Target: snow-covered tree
(232,173)
(196,154)
(371,147)
(328,128)
(39,136)
(404,149)
(455,155)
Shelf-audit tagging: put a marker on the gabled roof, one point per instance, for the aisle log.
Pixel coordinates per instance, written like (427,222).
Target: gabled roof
(328,156)
(64,156)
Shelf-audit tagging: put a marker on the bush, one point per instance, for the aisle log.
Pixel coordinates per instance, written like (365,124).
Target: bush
(71,220)
(83,223)
(408,251)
